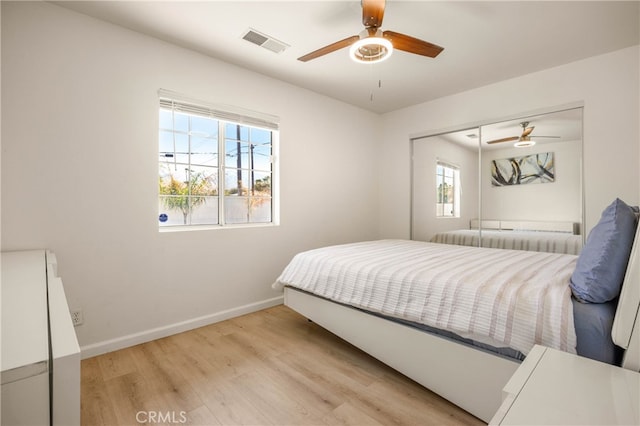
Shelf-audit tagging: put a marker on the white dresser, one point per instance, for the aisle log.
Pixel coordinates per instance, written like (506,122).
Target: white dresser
(556,388)
(40,353)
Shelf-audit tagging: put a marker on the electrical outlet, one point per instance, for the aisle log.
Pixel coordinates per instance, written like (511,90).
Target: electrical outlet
(76,317)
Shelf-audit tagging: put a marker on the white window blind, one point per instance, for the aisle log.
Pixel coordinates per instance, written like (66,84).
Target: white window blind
(178,102)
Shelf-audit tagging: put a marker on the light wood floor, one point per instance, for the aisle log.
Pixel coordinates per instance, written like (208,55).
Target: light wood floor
(272,367)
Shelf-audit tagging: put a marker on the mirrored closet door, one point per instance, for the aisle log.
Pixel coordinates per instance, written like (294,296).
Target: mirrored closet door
(512,184)
(445,187)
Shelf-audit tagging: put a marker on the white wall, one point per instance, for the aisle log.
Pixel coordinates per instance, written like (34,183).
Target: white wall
(79,126)
(607,85)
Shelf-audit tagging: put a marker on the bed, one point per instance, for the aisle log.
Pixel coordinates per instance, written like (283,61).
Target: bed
(552,237)
(448,348)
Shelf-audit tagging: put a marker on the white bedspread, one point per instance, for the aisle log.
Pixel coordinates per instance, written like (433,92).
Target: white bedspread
(506,298)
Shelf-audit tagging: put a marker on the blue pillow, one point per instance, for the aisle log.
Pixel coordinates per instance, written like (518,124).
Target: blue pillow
(603,260)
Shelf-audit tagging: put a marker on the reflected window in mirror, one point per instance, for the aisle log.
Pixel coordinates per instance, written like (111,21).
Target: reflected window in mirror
(447,190)
(444,184)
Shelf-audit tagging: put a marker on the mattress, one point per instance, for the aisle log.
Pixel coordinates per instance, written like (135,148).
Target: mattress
(550,242)
(503,298)
(593,323)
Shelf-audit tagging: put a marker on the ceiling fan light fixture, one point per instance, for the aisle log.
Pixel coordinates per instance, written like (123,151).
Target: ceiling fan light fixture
(524,143)
(371,49)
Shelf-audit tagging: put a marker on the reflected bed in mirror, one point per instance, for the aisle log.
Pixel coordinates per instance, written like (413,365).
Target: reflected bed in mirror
(551,237)
(521,177)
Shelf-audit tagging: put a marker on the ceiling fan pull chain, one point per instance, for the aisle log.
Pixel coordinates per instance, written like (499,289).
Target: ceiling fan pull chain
(371,79)
(372,85)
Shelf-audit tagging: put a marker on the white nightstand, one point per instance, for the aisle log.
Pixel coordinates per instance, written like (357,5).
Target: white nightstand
(556,388)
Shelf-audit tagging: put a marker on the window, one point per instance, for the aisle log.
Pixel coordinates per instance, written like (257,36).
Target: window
(216,167)
(447,190)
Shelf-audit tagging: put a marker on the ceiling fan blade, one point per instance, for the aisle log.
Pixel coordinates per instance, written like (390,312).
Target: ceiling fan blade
(536,136)
(412,45)
(330,48)
(372,13)
(526,132)
(513,138)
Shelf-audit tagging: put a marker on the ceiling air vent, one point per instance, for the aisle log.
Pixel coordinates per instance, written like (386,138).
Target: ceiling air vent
(264,40)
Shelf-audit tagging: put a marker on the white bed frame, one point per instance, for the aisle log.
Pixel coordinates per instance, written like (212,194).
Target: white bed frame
(470,378)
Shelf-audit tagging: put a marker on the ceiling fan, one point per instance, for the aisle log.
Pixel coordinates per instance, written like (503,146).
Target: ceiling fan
(524,139)
(373,44)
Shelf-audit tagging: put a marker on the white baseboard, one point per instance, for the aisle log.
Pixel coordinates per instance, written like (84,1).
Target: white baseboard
(100,348)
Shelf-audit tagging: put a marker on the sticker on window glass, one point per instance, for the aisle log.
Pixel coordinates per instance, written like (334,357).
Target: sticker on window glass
(163,217)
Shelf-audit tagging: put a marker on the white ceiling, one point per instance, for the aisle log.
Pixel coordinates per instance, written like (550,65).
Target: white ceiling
(550,128)
(484,42)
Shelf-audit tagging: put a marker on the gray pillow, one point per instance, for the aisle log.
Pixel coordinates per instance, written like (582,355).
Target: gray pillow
(602,263)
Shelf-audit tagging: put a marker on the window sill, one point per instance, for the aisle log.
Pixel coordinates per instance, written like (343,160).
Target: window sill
(188,228)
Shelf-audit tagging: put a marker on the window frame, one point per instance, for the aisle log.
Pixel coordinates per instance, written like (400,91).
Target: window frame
(224,116)
(456,201)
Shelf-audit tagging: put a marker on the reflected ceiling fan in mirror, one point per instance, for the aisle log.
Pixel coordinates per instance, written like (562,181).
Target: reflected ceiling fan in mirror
(373,44)
(524,140)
